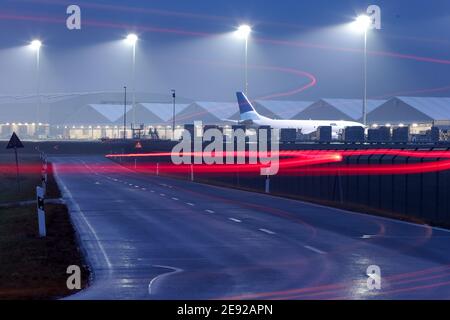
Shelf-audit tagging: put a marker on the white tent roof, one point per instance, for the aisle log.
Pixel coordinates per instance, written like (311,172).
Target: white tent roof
(112,112)
(353,107)
(436,108)
(345,109)
(195,112)
(164,110)
(285,109)
(221,110)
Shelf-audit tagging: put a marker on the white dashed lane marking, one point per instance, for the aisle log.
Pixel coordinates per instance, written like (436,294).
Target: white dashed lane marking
(266,231)
(314,249)
(235,220)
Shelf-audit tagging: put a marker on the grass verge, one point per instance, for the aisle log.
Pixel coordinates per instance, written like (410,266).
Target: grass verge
(33,267)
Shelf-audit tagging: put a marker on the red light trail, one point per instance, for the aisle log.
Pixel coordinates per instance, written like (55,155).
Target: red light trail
(312,79)
(311,83)
(307,163)
(291,163)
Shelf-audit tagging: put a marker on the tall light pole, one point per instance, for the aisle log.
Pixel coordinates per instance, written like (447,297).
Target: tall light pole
(244,32)
(173,118)
(132,40)
(125,113)
(36,46)
(363,23)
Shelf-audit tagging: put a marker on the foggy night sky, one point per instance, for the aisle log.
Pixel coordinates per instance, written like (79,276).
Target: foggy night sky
(189,45)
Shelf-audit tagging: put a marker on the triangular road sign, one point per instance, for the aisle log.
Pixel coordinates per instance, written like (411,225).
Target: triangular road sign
(14,142)
(138,145)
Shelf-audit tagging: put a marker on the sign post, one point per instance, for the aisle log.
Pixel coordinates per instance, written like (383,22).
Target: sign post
(15,143)
(41,211)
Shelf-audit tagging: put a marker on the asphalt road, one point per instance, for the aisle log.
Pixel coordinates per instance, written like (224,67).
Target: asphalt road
(149,237)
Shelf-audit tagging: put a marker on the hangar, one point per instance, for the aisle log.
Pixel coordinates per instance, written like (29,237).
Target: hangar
(337,109)
(164,111)
(105,111)
(206,112)
(22,112)
(220,110)
(283,109)
(412,110)
(112,112)
(141,114)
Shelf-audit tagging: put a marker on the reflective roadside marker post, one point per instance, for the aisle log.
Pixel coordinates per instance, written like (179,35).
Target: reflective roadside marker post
(44,173)
(44,182)
(157,169)
(41,212)
(192,172)
(44,177)
(267,184)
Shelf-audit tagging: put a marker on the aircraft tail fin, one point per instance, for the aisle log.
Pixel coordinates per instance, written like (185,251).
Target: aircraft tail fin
(246,109)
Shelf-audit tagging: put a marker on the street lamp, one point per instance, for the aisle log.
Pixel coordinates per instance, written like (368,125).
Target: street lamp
(132,39)
(363,24)
(243,32)
(125,113)
(36,46)
(174,104)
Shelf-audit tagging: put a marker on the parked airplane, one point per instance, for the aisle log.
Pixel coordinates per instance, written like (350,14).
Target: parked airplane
(250,117)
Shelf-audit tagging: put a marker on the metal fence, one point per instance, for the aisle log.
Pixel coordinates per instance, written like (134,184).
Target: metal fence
(422,197)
